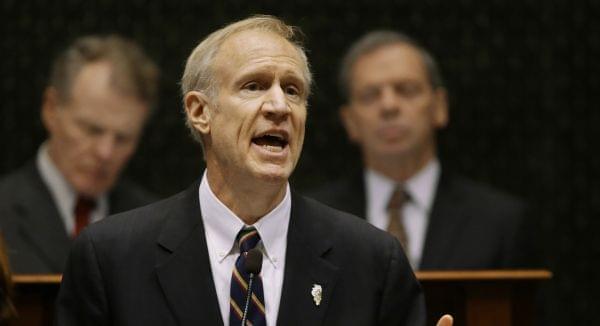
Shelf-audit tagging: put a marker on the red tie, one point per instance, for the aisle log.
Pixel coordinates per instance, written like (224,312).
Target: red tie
(83,208)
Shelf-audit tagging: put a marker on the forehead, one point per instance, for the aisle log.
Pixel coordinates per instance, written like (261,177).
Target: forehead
(93,79)
(93,95)
(251,50)
(390,62)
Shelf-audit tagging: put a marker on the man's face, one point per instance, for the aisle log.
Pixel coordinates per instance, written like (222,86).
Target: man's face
(256,126)
(93,134)
(393,110)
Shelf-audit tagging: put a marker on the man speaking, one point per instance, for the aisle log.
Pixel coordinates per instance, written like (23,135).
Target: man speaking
(238,247)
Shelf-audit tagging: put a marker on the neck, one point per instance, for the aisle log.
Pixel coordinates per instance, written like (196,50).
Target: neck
(400,167)
(247,200)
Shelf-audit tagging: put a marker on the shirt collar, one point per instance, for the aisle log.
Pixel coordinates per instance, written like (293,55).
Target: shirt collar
(223,225)
(421,186)
(62,192)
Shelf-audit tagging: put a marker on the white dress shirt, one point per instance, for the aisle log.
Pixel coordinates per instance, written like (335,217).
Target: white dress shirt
(63,194)
(221,227)
(415,213)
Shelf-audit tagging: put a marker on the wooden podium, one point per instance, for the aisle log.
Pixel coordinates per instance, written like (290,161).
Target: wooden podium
(34,299)
(483,298)
(474,298)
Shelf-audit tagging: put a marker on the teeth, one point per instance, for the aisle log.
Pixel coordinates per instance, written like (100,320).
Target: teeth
(272,148)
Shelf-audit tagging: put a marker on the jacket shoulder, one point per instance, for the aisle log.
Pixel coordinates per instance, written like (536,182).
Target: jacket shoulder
(17,178)
(140,222)
(344,227)
(345,194)
(481,195)
(127,195)
(335,191)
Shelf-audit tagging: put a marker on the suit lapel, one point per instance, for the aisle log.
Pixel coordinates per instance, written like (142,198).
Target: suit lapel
(183,265)
(444,225)
(40,222)
(305,268)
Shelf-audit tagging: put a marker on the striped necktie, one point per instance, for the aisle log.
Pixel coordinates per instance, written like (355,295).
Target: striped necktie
(247,239)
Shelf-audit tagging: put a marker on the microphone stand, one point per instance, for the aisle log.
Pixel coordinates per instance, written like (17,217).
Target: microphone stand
(245,316)
(252,266)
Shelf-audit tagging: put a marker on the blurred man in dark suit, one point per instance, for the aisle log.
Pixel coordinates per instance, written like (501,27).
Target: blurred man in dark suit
(96,104)
(395,103)
(185,260)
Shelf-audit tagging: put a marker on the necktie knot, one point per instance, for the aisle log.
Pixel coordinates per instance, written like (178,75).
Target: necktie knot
(84,205)
(398,198)
(247,239)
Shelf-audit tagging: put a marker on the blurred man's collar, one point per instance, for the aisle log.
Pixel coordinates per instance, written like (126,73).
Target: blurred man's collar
(421,186)
(62,193)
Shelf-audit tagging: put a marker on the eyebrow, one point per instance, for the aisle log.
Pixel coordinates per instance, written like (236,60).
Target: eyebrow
(259,73)
(92,124)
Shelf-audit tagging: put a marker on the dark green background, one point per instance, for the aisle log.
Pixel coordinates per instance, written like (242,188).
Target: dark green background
(523,78)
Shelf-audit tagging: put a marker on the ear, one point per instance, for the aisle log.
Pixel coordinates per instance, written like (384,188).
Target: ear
(50,109)
(198,111)
(349,120)
(440,108)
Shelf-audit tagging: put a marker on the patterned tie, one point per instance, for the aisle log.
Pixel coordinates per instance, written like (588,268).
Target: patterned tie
(83,208)
(248,238)
(394,210)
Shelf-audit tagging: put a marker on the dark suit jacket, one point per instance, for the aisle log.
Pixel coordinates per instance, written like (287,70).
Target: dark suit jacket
(471,226)
(35,235)
(150,266)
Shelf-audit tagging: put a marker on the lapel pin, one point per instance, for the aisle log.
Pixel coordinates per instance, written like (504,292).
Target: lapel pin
(317,292)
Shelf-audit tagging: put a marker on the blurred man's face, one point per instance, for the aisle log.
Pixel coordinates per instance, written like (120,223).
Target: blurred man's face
(256,127)
(393,111)
(93,133)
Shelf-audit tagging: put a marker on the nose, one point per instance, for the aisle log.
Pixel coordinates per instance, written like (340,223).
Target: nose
(275,105)
(390,105)
(105,147)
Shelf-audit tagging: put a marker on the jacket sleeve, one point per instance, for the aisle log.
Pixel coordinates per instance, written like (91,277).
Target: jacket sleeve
(403,303)
(82,299)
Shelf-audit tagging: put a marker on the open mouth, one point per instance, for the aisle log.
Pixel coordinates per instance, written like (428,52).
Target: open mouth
(274,142)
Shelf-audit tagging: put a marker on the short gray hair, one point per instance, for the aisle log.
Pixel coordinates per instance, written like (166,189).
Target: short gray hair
(199,75)
(375,40)
(132,71)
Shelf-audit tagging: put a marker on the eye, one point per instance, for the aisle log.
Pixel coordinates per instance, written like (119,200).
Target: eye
(92,130)
(292,90)
(252,86)
(368,96)
(123,139)
(408,89)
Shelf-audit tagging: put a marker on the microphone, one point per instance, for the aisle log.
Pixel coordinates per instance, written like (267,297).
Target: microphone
(252,265)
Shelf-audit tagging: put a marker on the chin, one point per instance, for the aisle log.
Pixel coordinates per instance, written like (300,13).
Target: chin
(274,179)
(93,193)
(274,176)
(395,149)
(92,189)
